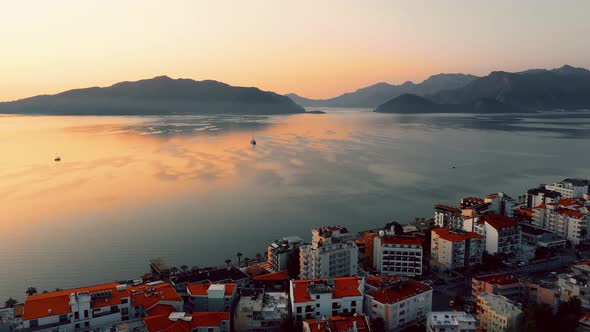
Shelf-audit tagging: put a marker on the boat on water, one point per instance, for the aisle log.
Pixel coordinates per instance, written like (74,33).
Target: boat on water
(253,141)
(57,159)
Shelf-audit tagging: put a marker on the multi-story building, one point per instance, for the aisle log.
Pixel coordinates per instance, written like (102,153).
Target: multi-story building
(195,322)
(576,284)
(543,292)
(541,195)
(500,203)
(260,311)
(317,298)
(473,206)
(397,254)
(280,252)
(496,313)
(452,249)
(216,275)
(101,306)
(501,234)
(450,321)
(538,237)
(398,300)
(354,323)
(212,297)
(570,187)
(569,218)
(499,284)
(332,253)
(448,217)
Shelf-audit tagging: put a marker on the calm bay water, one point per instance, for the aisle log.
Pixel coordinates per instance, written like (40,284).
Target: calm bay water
(193,190)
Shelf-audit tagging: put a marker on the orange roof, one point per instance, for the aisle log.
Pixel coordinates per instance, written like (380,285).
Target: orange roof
(499,221)
(275,276)
(229,289)
(58,303)
(338,324)
(453,236)
(540,206)
(198,319)
(570,201)
(149,295)
(571,213)
(161,309)
(401,240)
(343,287)
(397,290)
(498,279)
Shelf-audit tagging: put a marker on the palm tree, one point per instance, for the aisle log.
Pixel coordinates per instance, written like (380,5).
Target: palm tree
(227,262)
(246,261)
(174,270)
(195,268)
(10,302)
(31,291)
(184,268)
(58,289)
(239,254)
(258,257)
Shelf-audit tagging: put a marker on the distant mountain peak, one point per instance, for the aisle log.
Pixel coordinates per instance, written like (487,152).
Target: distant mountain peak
(162,77)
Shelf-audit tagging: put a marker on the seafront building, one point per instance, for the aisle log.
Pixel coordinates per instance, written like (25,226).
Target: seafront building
(496,313)
(446,216)
(451,249)
(399,301)
(569,218)
(332,253)
(280,252)
(397,254)
(571,187)
(321,298)
(98,307)
(501,234)
(450,321)
(212,297)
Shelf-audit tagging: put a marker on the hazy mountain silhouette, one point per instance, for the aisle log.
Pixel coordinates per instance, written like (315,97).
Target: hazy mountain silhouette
(159,95)
(379,93)
(565,88)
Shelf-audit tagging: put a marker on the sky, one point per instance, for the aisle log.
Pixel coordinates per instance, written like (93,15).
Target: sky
(315,48)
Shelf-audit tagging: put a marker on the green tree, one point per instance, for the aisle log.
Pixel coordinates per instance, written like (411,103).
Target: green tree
(258,257)
(228,262)
(568,314)
(184,268)
(31,291)
(239,255)
(173,270)
(10,302)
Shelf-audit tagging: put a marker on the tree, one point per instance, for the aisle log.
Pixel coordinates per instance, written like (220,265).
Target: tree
(539,318)
(239,255)
(184,268)
(258,257)
(397,227)
(568,314)
(10,302)
(173,270)
(31,291)
(228,262)
(247,261)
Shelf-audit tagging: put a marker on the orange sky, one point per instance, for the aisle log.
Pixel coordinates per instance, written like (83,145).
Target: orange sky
(314,48)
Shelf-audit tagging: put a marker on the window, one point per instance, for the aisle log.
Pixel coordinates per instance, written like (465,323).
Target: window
(298,310)
(76,315)
(317,297)
(124,300)
(124,311)
(85,313)
(86,324)
(34,323)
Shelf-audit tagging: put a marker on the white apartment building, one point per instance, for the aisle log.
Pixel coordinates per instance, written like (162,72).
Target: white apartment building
(448,217)
(398,300)
(212,297)
(280,251)
(500,203)
(260,311)
(569,218)
(450,321)
(332,253)
(455,249)
(570,188)
(101,306)
(496,313)
(397,255)
(541,195)
(501,234)
(576,283)
(322,298)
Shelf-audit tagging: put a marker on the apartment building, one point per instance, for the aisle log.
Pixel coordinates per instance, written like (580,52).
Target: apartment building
(280,252)
(332,253)
(496,313)
(212,297)
(452,249)
(397,254)
(450,321)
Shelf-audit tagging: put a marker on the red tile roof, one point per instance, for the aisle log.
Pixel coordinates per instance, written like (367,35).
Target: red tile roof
(571,213)
(161,309)
(229,289)
(197,319)
(203,289)
(401,240)
(499,279)
(571,201)
(275,276)
(453,236)
(343,287)
(58,303)
(395,288)
(498,221)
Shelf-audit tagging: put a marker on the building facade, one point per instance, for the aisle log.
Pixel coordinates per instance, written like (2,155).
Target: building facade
(504,284)
(452,249)
(397,255)
(260,311)
(212,297)
(281,251)
(399,301)
(332,253)
(450,321)
(501,234)
(569,218)
(446,216)
(496,313)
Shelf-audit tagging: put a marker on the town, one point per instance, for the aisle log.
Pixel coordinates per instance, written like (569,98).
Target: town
(493,263)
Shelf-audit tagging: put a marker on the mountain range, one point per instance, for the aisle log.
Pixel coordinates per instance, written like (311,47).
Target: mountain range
(377,94)
(159,95)
(565,88)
